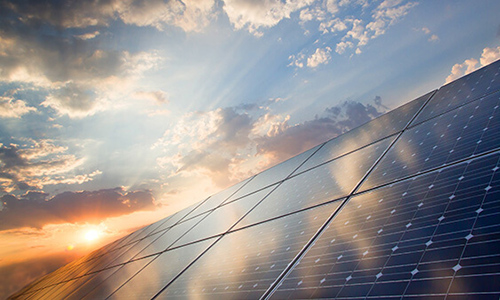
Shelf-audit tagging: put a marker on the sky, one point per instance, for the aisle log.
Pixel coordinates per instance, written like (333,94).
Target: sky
(115,114)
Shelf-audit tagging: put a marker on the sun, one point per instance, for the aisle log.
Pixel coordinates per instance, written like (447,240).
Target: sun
(92,235)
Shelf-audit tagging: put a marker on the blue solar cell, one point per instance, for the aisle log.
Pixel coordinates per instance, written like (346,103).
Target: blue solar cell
(456,135)
(81,286)
(178,217)
(421,236)
(461,91)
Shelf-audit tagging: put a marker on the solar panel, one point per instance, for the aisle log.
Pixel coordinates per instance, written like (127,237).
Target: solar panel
(406,206)
(243,263)
(452,136)
(420,236)
(468,88)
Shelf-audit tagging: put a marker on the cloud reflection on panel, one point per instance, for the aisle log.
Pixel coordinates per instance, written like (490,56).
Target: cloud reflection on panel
(244,263)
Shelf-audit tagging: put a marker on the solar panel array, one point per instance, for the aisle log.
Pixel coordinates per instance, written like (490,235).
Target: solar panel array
(406,206)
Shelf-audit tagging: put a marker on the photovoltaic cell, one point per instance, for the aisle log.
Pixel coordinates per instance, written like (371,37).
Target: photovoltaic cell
(329,181)
(170,236)
(115,280)
(215,200)
(150,280)
(377,129)
(274,174)
(177,217)
(455,135)
(223,218)
(242,264)
(465,89)
(425,236)
(81,286)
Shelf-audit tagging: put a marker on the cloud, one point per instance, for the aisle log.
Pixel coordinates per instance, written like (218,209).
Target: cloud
(386,14)
(36,164)
(427,31)
(297,60)
(74,100)
(342,46)
(321,56)
(336,120)
(230,144)
(488,56)
(71,207)
(188,15)
(11,108)
(88,35)
(334,25)
(80,78)
(254,15)
(433,38)
(159,97)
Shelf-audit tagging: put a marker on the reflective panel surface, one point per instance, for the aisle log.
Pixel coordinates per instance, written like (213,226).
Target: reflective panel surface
(274,174)
(169,236)
(244,263)
(160,272)
(469,130)
(223,218)
(432,235)
(215,200)
(468,88)
(377,129)
(329,181)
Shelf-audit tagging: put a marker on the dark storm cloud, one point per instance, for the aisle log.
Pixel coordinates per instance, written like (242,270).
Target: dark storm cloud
(35,210)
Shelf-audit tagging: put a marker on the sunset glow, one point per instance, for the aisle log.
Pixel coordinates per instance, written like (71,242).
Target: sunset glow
(92,235)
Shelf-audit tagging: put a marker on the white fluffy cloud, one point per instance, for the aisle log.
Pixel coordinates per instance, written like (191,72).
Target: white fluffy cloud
(354,32)
(488,56)
(11,108)
(255,15)
(342,46)
(321,56)
(159,97)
